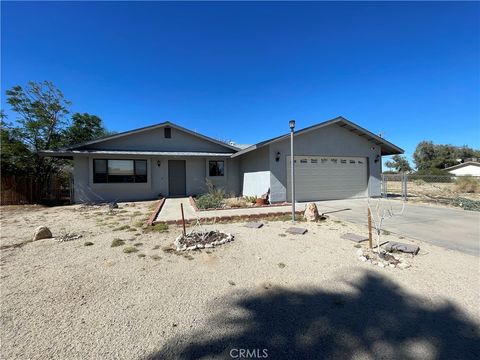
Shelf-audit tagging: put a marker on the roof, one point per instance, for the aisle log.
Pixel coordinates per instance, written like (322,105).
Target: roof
(70,153)
(146,128)
(458,166)
(387,147)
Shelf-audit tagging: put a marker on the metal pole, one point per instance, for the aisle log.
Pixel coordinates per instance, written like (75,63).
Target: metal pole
(370,228)
(292,168)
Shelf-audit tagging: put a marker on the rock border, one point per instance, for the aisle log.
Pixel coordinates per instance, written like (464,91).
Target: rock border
(195,207)
(182,247)
(156,211)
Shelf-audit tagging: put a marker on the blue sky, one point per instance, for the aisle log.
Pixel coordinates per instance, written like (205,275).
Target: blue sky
(240,71)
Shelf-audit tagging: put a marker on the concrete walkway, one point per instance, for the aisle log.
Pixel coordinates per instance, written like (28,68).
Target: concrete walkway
(171,211)
(450,228)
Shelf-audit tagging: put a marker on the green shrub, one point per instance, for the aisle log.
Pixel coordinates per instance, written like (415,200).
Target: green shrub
(162,227)
(467,184)
(123,227)
(88,243)
(212,199)
(130,249)
(117,242)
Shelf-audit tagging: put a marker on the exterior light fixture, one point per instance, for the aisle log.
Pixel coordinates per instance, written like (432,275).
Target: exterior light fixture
(159,163)
(377,158)
(292,167)
(277,156)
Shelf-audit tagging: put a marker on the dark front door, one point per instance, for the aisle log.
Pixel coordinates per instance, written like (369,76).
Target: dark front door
(176,178)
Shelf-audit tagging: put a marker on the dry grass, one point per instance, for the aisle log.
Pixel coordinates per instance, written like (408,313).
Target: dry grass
(467,184)
(236,202)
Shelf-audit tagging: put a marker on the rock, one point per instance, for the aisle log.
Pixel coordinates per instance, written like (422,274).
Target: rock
(392,265)
(208,246)
(359,252)
(403,265)
(381,265)
(311,212)
(42,232)
(362,258)
(200,246)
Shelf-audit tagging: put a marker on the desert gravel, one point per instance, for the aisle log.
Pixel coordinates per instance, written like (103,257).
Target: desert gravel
(297,296)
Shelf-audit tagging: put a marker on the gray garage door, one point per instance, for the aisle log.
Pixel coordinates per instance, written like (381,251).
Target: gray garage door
(328,177)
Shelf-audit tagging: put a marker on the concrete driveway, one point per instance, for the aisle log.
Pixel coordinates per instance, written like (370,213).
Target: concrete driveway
(454,229)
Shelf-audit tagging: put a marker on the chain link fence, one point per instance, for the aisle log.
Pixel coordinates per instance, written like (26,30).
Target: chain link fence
(462,191)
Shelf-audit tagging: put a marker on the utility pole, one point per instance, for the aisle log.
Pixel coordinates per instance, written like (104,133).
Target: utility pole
(292,167)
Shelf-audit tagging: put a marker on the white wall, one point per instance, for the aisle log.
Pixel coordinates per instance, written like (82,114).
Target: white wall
(256,183)
(466,170)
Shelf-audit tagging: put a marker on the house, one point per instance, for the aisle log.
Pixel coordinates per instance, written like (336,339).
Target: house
(471,168)
(335,159)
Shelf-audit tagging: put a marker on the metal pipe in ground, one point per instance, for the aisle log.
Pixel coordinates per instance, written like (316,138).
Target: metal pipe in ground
(183,220)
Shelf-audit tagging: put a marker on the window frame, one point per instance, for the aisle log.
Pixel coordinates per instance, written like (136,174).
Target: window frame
(216,161)
(134,176)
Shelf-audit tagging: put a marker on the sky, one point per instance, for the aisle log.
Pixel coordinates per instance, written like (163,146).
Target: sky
(241,70)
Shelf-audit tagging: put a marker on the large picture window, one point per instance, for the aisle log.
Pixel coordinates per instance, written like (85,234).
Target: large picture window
(216,168)
(119,171)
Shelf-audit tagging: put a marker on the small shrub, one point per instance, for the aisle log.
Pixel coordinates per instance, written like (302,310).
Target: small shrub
(88,243)
(130,249)
(117,242)
(156,247)
(138,244)
(155,257)
(385,232)
(131,229)
(141,255)
(236,202)
(212,199)
(250,199)
(467,184)
(120,228)
(162,227)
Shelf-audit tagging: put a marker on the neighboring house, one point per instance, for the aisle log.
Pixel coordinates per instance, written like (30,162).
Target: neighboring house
(335,159)
(471,168)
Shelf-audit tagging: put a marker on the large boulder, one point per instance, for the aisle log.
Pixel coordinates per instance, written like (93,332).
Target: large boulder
(311,212)
(42,232)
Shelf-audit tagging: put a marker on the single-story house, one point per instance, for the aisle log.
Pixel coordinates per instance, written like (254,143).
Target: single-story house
(471,168)
(335,159)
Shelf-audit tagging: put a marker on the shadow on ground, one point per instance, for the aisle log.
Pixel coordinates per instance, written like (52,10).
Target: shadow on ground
(377,320)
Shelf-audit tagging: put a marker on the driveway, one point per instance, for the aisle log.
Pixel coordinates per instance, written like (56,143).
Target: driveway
(454,229)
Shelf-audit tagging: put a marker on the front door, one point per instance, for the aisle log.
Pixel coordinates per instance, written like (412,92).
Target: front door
(177,178)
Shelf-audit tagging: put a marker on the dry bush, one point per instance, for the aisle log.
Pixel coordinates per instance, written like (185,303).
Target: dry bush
(467,184)
(236,202)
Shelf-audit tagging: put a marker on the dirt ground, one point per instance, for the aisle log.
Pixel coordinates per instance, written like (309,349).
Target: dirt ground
(293,296)
(430,192)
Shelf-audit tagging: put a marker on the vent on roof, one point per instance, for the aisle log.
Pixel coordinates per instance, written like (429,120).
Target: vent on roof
(167,132)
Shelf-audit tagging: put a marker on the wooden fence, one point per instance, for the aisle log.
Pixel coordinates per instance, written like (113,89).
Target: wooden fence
(18,190)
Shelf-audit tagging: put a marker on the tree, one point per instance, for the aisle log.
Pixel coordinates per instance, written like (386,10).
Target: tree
(42,111)
(429,156)
(84,127)
(399,163)
(14,155)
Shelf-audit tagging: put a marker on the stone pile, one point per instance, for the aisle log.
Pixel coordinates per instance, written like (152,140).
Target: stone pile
(201,240)
(383,260)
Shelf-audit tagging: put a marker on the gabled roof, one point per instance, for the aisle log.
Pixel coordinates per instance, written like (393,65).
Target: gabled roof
(458,166)
(147,128)
(387,147)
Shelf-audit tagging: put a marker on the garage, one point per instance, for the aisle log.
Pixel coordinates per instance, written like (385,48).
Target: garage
(328,177)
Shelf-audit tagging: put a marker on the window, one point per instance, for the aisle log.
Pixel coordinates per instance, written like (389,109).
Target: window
(314,161)
(119,171)
(303,161)
(216,168)
(343,161)
(167,132)
(352,161)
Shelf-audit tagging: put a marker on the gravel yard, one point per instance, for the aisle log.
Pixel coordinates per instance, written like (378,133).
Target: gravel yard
(293,296)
